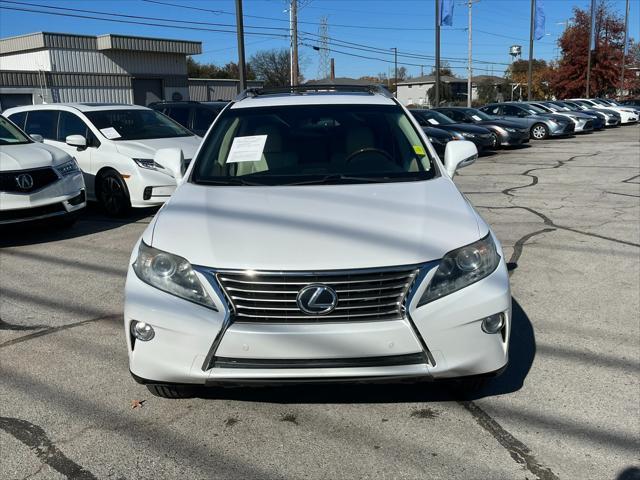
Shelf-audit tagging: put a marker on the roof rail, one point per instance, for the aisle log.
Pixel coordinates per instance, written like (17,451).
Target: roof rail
(300,89)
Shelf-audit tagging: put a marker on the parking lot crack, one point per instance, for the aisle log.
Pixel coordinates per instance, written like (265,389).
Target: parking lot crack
(37,440)
(549,222)
(50,330)
(518,450)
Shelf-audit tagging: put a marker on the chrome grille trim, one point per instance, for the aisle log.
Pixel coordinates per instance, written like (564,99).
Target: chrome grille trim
(363,295)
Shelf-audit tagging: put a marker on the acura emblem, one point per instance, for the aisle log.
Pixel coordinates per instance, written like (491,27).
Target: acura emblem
(317,299)
(24,181)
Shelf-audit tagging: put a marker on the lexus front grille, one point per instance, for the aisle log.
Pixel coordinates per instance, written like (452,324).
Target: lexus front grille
(362,295)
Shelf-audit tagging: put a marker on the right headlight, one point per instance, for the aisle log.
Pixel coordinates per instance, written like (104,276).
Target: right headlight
(170,273)
(510,130)
(461,267)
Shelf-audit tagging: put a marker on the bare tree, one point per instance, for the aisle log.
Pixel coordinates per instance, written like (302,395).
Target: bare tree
(272,67)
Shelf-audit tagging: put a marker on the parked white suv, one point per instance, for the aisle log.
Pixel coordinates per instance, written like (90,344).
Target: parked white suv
(37,181)
(115,146)
(316,236)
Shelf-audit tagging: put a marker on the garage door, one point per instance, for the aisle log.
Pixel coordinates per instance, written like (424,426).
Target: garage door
(8,100)
(147,90)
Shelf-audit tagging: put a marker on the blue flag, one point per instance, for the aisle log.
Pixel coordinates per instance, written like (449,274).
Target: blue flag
(539,21)
(446,12)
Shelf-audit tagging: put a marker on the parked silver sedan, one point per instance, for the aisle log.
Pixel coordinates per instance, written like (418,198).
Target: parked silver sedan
(541,124)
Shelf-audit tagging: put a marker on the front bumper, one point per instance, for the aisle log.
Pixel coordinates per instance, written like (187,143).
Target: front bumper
(559,130)
(442,339)
(481,142)
(149,188)
(513,139)
(63,197)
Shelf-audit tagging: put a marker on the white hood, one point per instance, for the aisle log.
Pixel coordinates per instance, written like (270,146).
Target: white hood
(30,155)
(147,148)
(321,227)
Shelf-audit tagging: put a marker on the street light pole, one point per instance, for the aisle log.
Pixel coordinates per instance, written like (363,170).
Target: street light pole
(437,86)
(242,67)
(624,49)
(395,68)
(469,68)
(591,20)
(531,27)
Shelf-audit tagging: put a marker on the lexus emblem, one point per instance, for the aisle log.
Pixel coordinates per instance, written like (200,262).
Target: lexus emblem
(317,299)
(24,181)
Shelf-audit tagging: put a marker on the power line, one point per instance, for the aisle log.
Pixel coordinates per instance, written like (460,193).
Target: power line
(222,12)
(133,22)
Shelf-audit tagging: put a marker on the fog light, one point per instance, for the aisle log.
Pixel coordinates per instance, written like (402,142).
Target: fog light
(142,331)
(493,323)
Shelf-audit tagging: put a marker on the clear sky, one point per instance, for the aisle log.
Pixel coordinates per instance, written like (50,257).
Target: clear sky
(371,28)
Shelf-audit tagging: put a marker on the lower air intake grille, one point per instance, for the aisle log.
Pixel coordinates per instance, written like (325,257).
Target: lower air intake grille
(362,295)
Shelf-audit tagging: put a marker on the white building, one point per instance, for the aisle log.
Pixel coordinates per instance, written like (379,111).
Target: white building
(55,67)
(415,91)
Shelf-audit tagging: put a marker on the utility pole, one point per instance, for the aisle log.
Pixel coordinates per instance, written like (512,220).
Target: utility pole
(242,67)
(591,19)
(395,68)
(294,43)
(624,49)
(531,27)
(437,86)
(332,74)
(422,70)
(469,68)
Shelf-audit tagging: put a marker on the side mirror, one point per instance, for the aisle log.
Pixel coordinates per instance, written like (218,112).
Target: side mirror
(459,154)
(36,137)
(171,159)
(76,141)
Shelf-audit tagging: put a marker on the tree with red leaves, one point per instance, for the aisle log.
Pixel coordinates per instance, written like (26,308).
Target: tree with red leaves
(569,78)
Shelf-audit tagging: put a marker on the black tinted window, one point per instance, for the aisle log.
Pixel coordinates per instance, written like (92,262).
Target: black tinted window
(71,124)
(18,119)
(512,111)
(136,124)
(42,122)
(203,119)
(179,114)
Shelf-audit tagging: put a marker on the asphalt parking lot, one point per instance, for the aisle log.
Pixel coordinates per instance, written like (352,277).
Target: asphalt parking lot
(568,407)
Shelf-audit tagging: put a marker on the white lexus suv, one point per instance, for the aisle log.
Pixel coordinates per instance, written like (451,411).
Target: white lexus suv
(115,146)
(316,236)
(37,181)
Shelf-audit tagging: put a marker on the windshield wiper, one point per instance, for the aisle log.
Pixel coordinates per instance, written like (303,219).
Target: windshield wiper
(232,181)
(340,177)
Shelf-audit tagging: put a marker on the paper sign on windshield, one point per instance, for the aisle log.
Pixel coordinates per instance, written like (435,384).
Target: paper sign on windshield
(476,118)
(433,122)
(110,132)
(247,149)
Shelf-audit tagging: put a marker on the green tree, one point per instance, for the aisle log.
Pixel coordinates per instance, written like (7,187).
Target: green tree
(210,70)
(518,72)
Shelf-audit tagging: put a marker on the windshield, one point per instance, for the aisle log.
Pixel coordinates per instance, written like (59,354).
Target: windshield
(561,106)
(432,117)
(136,124)
(308,144)
(534,109)
(545,108)
(477,114)
(10,134)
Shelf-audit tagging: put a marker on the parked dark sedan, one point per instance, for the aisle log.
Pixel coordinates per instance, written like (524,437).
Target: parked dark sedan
(481,136)
(439,139)
(506,133)
(196,116)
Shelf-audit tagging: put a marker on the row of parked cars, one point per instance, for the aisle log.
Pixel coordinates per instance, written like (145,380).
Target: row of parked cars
(127,154)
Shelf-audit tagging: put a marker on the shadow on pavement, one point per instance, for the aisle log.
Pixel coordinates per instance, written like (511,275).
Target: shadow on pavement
(522,352)
(92,220)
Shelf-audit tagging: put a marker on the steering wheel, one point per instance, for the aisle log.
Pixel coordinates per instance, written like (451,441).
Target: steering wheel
(367,150)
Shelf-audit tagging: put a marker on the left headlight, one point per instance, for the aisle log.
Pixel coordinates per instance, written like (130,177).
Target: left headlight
(468,135)
(170,273)
(462,267)
(148,163)
(68,168)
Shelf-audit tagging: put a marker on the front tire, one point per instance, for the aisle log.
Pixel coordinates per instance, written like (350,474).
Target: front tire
(539,131)
(171,391)
(495,141)
(113,194)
